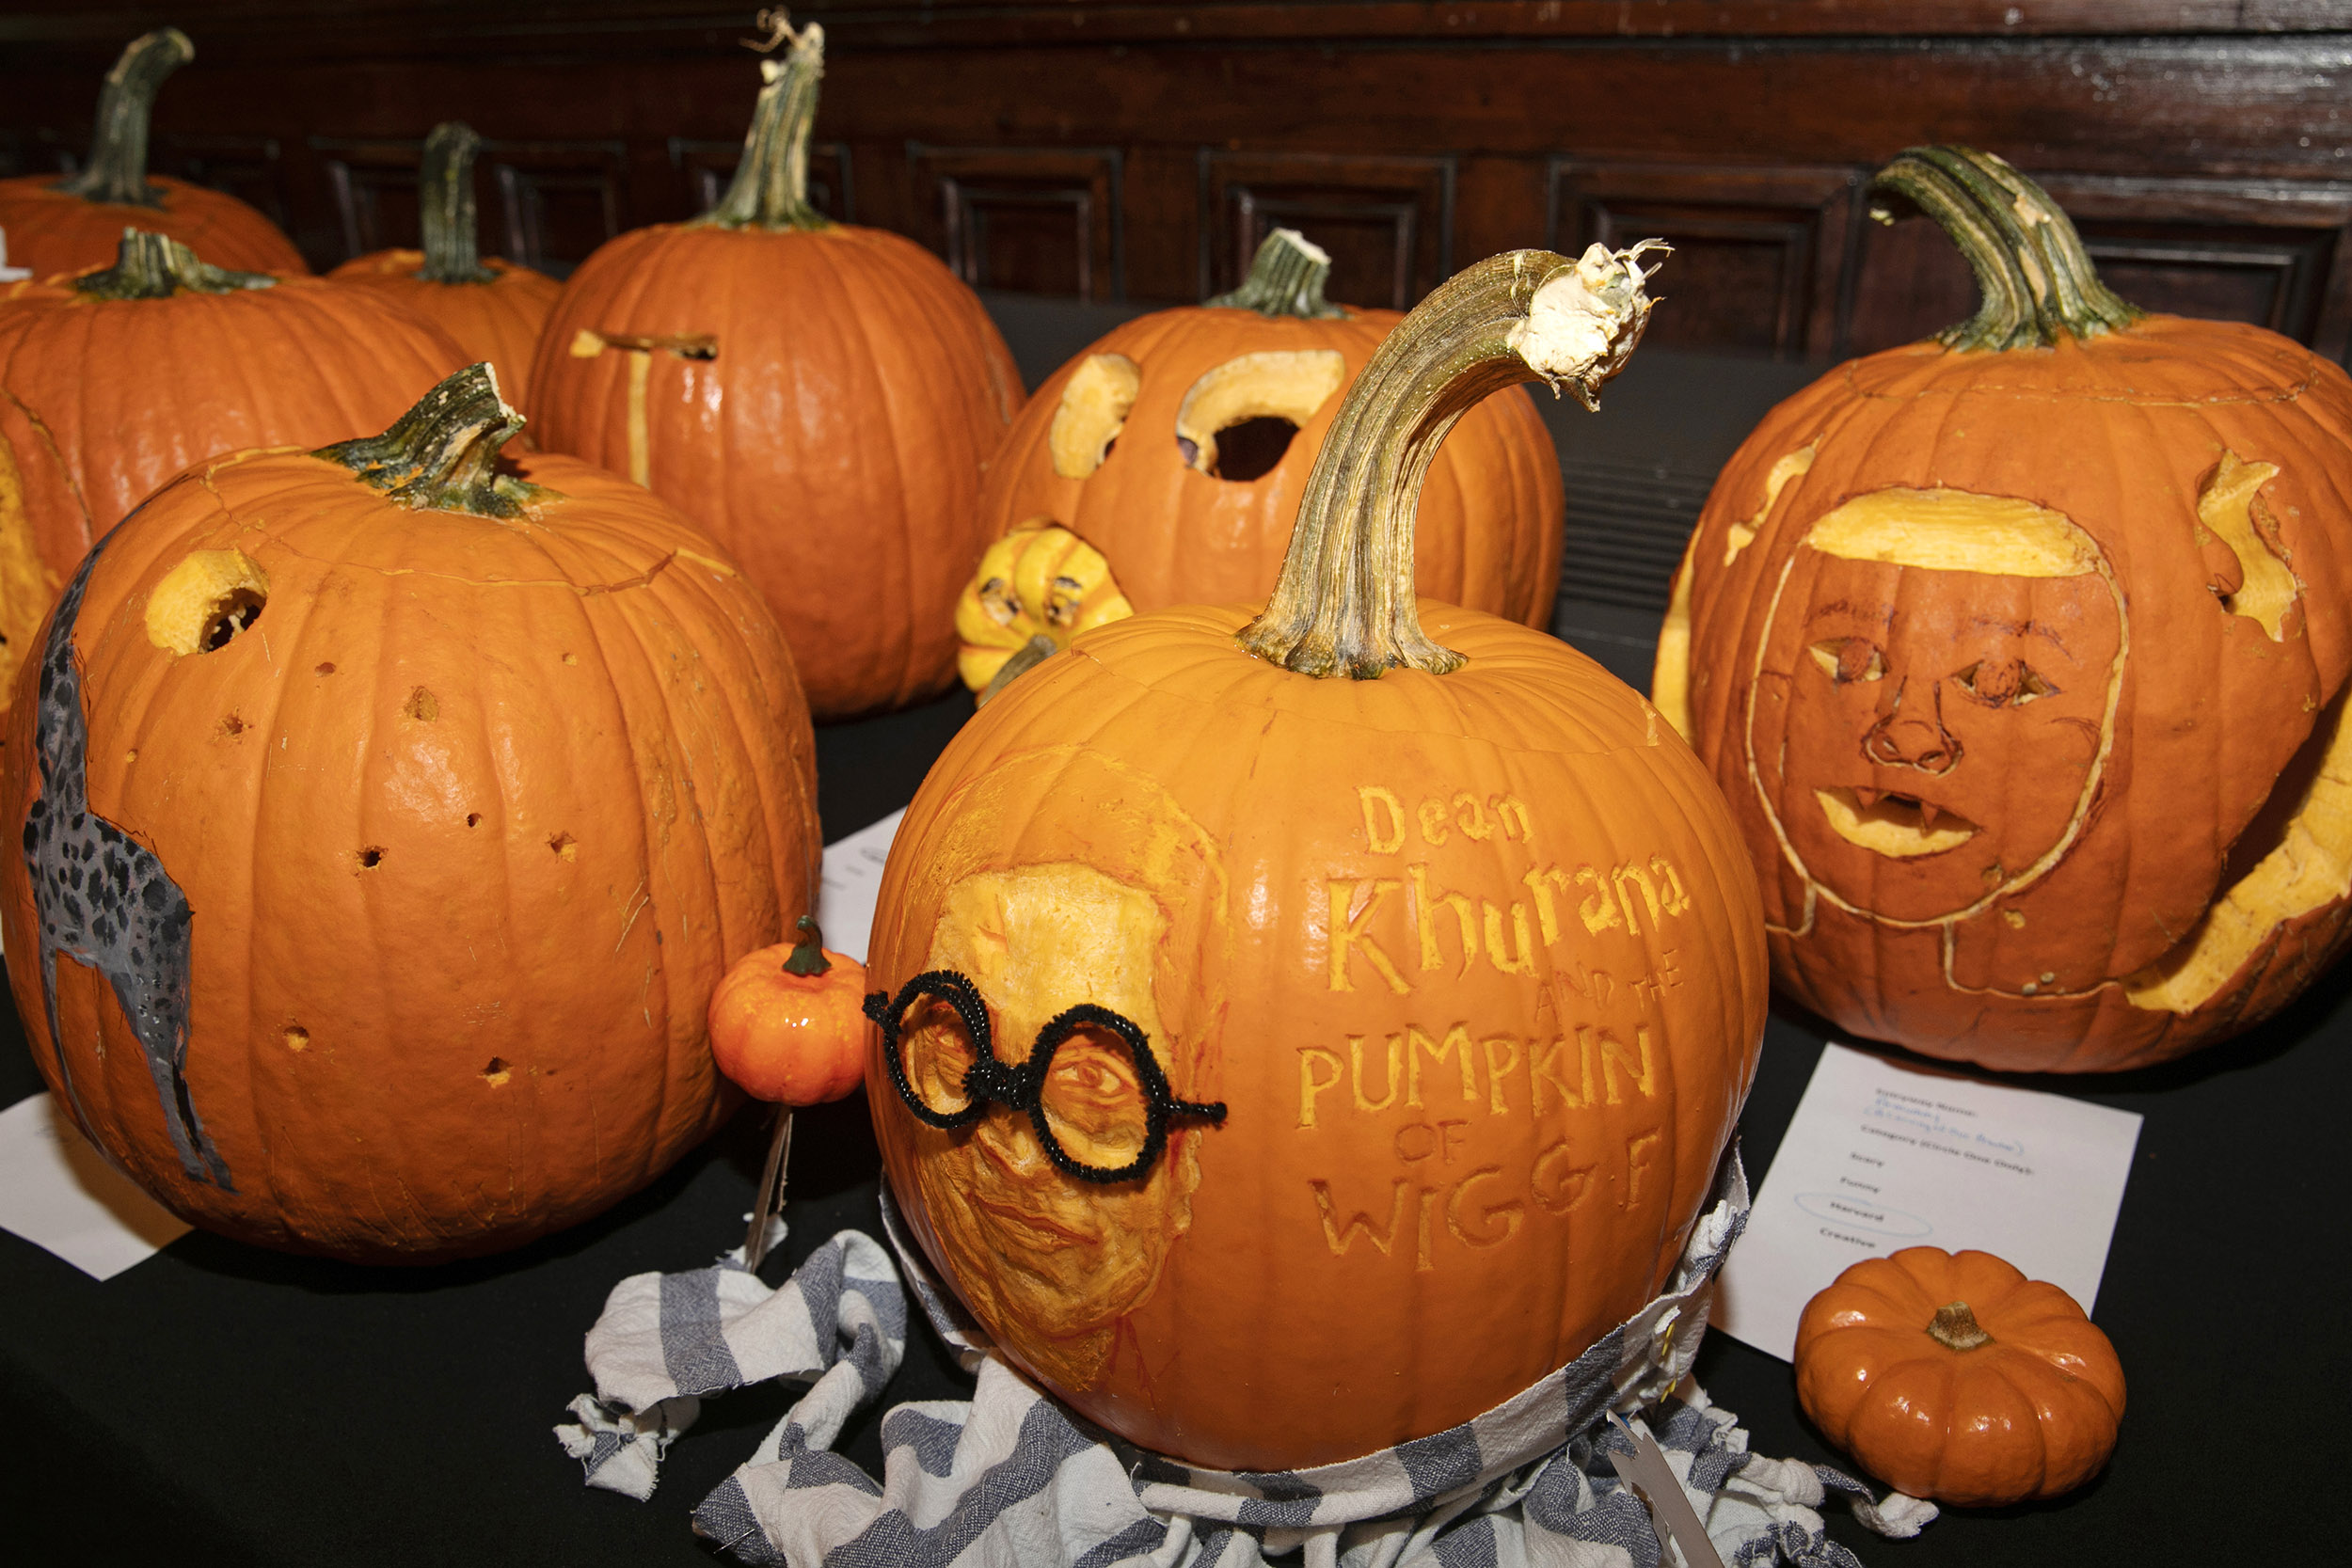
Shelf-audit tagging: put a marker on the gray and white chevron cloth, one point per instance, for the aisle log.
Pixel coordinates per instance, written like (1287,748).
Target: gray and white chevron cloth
(1011,1478)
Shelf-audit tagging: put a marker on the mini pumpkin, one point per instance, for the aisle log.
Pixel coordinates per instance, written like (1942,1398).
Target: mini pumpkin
(2022,655)
(113,380)
(786,1023)
(1179,445)
(820,397)
(1298,1037)
(493,308)
(65,224)
(1953,1376)
(388,822)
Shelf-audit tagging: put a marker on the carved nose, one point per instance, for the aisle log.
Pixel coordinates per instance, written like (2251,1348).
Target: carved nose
(1897,741)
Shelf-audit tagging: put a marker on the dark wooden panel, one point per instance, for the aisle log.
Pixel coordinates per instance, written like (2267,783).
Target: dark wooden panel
(1035,220)
(705,166)
(373,187)
(1387,221)
(557,201)
(251,169)
(1759,253)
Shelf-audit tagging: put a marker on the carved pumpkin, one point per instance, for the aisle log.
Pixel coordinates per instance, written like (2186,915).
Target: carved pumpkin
(1953,1376)
(387,823)
(64,225)
(2020,654)
(1179,445)
(84,439)
(819,396)
(1358,1051)
(493,308)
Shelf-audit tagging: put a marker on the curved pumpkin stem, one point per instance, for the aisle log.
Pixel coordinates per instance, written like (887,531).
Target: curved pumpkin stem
(2037,281)
(1955,1327)
(808,954)
(770,186)
(116,173)
(1286,279)
(445,206)
(442,454)
(1345,603)
(155,266)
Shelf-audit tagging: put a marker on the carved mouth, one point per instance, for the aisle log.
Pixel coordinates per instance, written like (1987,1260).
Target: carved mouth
(1902,827)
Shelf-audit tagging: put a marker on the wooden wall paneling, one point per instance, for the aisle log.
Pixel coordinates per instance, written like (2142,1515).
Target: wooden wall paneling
(1031,219)
(704,169)
(1761,255)
(371,186)
(251,169)
(1387,221)
(557,201)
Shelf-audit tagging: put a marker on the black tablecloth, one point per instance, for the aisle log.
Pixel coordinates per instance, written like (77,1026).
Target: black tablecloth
(222,1404)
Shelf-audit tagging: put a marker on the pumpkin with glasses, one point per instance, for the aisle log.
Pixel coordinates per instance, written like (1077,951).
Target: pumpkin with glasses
(2021,654)
(1298,1034)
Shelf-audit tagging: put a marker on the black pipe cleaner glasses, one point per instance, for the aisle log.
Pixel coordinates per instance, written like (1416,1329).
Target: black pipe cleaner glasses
(1101,1106)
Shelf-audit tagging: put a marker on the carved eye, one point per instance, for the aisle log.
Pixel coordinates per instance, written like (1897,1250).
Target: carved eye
(1237,421)
(1850,658)
(2003,683)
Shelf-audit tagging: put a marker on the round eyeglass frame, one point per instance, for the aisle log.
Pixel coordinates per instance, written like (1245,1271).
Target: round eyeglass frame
(1021,1088)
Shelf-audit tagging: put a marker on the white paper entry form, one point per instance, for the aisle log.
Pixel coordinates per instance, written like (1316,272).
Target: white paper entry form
(853,882)
(57,1192)
(1882,1155)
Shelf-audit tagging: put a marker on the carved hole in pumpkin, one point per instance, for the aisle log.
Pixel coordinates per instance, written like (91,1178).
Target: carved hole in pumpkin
(1251,449)
(1285,385)
(565,846)
(473,820)
(201,604)
(498,1072)
(297,1037)
(324,668)
(1095,403)
(371,858)
(238,612)
(421,706)
(232,727)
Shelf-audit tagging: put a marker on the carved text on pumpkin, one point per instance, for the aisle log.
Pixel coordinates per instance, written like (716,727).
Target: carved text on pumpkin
(1618,898)
(1602,1069)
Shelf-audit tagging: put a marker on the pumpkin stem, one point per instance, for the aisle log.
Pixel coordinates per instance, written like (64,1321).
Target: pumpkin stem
(770,186)
(155,266)
(445,206)
(1285,279)
(442,454)
(117,171)
(1955,1327)
(808,954)
(2037,281)
(1345,603)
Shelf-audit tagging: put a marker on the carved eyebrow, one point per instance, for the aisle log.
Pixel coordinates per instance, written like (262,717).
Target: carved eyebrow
(1877,615)
(2022,629)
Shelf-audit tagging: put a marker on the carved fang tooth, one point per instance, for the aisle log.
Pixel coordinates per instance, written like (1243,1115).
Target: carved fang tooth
(1928,814)
(1865,798)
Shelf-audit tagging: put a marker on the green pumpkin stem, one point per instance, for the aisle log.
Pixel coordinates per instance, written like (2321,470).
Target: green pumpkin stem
(155,266)
(2036,279)
(442,454)
(117,171)
(1345,603)
(1285,279)
(808,954)
(770,186)
(445,206)
(1955,1327)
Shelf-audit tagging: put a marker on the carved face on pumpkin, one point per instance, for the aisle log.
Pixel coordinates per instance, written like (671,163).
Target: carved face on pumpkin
(1936,700)
(1052,1261)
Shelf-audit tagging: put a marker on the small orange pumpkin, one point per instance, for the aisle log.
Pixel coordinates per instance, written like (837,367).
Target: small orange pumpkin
(787,1023)
(114,380)
(820,397)
(2022,657)
(1179,446)
(495,307)
(388,820)
(1953,1376)
(65,224)
(1298,1037)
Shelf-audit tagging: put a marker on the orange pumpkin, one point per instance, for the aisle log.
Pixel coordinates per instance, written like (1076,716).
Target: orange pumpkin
(819,396)
(389,821)
(56,225)
(1350,1053)
(493,308)
(1953,1376)
(114,380)
(1179,445)
(2022,653)
(786,1023)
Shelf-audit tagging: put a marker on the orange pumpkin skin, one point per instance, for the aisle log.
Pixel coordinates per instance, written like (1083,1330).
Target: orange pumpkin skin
(1378,1241)
(1487,535)
(51,230)
(103,399)
(471,820)
(799,1040)
(2030,1414)
(2131,886)
(834,445)
(499,321)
